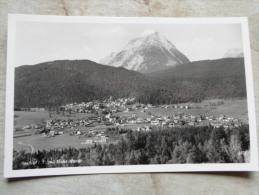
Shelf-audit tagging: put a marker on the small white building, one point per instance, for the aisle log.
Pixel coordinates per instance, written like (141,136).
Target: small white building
(88,141)
(52,133)
(155,123)
(78,132)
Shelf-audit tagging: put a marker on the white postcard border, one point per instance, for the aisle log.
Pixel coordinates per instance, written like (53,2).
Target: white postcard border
(10,173)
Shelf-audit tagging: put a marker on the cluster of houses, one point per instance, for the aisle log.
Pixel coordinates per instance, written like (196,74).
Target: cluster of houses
(182,106)
(57,127)
(106,115)
(77,127)
(93,136)
(97,139)
(117,105)
(97,106)
(180,120)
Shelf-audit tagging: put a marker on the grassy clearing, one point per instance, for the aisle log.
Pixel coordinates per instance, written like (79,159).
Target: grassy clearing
(230,108)
(47,143)
(27,118)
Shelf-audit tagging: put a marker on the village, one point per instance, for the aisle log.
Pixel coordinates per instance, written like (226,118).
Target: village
(126,113)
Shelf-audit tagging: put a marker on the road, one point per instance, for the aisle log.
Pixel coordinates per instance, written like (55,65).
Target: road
(32,148)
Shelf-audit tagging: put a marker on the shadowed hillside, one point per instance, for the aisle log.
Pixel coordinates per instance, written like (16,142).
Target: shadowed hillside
(59,82)
(222,78)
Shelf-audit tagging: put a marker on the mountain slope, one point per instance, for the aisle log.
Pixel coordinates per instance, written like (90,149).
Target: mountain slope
(220,68)
(222,78)
(60,82)
(149,52)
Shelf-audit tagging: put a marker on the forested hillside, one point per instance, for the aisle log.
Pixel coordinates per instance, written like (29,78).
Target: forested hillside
(59,82)
(222,78)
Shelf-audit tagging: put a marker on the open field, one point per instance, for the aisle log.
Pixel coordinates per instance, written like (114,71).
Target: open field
(22,118)
(36,142)
(230,108)
(47,143)
(42,142)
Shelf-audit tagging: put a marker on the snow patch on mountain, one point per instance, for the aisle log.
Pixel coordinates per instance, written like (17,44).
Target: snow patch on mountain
(147,53)
(148,32)
(133,64)
(106,59)
(234,53)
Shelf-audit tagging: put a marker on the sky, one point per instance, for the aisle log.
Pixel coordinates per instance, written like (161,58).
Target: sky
(38,42)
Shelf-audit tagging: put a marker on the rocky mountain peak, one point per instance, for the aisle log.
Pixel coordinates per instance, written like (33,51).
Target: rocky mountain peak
(149,52)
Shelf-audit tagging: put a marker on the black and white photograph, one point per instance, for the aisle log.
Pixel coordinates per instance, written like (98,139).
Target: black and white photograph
(90,95)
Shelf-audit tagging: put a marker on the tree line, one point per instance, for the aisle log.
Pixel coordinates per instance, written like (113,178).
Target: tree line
(160,146)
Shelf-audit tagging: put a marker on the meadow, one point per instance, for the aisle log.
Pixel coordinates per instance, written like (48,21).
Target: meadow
(235,108)
(230,108)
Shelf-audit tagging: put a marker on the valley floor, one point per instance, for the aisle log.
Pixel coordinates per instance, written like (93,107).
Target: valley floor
(83,131)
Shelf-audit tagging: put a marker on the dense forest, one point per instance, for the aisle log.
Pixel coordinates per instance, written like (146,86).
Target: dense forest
(60,82)
(160,146)
(221,78)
